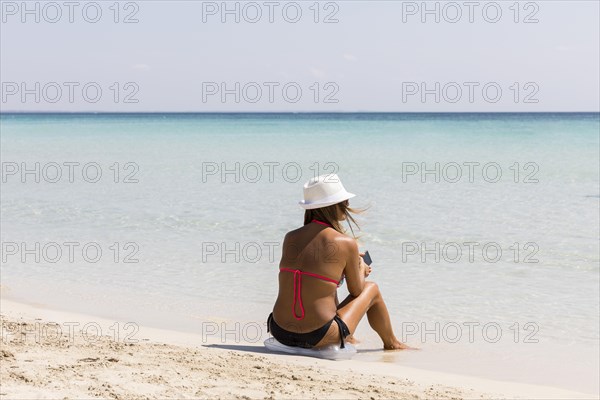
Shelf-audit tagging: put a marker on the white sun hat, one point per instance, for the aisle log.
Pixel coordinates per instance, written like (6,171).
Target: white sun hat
(323,191)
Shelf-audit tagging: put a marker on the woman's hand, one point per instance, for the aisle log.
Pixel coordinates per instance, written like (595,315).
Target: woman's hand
(367,269)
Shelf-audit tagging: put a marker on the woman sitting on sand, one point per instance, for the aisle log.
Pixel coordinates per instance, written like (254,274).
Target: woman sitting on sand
(314,262)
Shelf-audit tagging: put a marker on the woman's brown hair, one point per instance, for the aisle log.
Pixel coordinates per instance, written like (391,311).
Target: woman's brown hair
(330,215)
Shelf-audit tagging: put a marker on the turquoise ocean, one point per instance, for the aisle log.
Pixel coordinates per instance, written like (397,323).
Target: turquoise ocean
(484,228)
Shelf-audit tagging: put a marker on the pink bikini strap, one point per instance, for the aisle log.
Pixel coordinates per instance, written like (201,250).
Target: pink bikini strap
(321,223)
(298,288)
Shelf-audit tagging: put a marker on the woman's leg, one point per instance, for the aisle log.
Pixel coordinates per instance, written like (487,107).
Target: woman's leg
(370,302)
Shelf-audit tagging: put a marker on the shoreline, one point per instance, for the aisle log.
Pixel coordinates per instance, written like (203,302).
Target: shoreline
(241,368)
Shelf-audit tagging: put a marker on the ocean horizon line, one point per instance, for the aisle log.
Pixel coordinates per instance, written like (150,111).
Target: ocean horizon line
(292,112)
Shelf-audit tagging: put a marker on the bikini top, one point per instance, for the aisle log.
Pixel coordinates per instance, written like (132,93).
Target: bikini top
(298,282)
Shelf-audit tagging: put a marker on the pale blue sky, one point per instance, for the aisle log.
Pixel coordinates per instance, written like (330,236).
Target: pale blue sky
(370,56)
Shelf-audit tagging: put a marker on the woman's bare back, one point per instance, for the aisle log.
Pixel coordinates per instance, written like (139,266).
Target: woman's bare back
(315,249)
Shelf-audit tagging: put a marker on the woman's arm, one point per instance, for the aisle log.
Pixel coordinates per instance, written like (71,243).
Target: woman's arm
(355,268)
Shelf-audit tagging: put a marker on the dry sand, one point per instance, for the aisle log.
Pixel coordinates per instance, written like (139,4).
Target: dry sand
(165,364)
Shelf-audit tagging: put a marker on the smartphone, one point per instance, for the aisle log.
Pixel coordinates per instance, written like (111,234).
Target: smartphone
(367,258)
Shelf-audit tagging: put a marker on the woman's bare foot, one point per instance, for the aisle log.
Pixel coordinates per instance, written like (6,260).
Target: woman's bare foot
(397,345)
(351,339)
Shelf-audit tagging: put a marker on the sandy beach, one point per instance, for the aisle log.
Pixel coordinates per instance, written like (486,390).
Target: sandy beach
(39,362)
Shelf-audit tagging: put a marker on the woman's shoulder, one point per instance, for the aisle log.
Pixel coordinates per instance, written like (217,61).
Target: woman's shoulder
(293,233)
(345,241)
(340,239)
(328,235)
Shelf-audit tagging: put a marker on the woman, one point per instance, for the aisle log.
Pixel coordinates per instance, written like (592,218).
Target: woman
(314,262)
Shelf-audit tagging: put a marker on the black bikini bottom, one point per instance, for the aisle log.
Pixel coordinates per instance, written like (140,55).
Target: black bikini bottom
(306,340)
